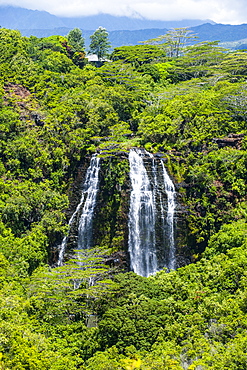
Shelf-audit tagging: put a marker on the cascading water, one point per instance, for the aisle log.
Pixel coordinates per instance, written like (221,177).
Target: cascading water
(151,222)
(65,239)
(170,192)
(141,218)
(91,187)
(88,201)
(151,242)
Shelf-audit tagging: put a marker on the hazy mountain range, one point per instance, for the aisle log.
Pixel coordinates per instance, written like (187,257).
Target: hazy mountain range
(20,18)
(122,30)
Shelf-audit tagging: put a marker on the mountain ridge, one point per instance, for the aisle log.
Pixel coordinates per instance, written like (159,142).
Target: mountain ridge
(43,24)
(128,37)
(21,18)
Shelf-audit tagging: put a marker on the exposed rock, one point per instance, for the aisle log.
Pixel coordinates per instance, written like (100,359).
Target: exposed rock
(20,96)
(18,90)
(232,140)
(37,119)
(118,259)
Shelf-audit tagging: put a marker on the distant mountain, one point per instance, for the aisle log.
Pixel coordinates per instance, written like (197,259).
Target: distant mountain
(117,38)
(39,32)
(233,36)
(120,38)
(220,32)
(20,18)
(113,23)
(122,30)
(235,45)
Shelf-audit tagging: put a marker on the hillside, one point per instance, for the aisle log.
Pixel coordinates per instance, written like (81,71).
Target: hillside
(73,134)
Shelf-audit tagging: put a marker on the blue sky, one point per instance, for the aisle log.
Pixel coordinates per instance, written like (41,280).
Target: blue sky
(220,11)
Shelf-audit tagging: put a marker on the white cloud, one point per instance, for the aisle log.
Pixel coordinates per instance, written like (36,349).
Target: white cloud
(176,9)
(221,11)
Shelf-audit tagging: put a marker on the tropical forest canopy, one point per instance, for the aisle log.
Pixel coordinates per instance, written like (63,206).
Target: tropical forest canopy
(189,103)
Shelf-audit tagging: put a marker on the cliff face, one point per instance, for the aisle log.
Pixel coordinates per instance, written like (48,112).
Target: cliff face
(111,214)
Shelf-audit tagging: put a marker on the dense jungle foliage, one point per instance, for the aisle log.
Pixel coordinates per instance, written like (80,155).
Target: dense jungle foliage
(55,110)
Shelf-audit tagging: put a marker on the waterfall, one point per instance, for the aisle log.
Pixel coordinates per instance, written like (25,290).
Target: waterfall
(141,218)
(170,192)
(151,215)
(65,239)
(91,187)
(88,201)
(151,243)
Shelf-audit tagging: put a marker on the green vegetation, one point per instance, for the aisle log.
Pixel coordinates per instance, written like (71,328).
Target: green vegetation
(173,41)
(99,43)
(55,109)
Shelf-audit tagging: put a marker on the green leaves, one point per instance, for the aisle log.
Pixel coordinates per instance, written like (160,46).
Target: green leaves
(55,110)
(76,40)
(230,236)
(11,44)
(56,62)
(138,54)
(193,316)
(99,43)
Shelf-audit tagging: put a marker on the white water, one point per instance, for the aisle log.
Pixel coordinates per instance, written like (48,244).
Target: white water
(65,239)
(91,187)
(144,220)
(89,192)
(171,205)
(141,219)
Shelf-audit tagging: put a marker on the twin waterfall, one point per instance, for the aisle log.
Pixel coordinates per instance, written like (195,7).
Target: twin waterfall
(151,242)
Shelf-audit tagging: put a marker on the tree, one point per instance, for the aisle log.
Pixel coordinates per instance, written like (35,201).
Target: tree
(138,54)
(176,39)
(99,43)
(173,41)
(199,60)
(76,40)
(234,64)
(77,45)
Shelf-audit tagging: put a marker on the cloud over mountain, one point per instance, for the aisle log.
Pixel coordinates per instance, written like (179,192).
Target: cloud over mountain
(227,11)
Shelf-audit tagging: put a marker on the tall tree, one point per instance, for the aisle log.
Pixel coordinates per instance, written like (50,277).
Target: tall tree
(173,41)
(76,40)
(77,44)
(99,43)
